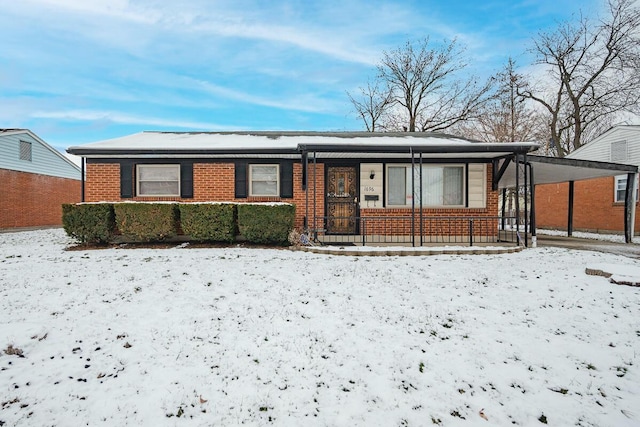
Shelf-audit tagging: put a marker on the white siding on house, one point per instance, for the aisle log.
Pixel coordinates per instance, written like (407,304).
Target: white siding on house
(45,160)
(600,148)
(477,186)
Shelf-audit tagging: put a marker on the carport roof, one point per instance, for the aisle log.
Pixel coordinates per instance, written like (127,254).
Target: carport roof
(551,170)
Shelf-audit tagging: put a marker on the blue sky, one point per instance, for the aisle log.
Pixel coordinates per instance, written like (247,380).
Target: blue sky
(77,71)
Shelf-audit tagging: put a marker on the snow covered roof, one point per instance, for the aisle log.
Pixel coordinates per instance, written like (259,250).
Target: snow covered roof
(331,144)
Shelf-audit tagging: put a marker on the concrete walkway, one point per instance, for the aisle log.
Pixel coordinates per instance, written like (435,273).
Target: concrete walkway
(631,250)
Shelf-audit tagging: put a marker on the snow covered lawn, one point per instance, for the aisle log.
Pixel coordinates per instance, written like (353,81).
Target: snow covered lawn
(201,337)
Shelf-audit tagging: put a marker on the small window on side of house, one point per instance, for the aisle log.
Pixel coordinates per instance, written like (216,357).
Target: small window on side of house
(264,180)
(158,180)
(25,151)
(620,189)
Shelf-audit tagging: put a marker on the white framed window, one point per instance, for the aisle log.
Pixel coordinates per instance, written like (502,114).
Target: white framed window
(264,180)
(620,189)
(441,185)
(158,180)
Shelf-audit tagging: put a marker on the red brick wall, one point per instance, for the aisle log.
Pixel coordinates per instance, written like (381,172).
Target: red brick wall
(33,200)
(215,182)
(212,182)
(594,208)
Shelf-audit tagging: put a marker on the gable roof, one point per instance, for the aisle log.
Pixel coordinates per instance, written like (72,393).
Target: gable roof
(69,168)
(293,143)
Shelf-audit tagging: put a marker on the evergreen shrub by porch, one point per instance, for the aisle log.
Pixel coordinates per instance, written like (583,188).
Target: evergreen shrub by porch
(147,222)
(89,223)
(267,224)
(208,221)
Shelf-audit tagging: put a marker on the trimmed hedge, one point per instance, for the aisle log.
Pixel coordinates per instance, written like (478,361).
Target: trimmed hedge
(208,221)
(266,224)
(89,223)
(147,221)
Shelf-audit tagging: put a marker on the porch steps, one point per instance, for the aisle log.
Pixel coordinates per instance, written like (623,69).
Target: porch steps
(409,251)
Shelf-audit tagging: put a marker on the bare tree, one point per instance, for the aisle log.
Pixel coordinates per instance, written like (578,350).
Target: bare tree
(593,73)
(507,117)
(371,104)
(425,88)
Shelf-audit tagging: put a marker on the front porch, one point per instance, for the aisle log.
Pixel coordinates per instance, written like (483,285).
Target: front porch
(417,230)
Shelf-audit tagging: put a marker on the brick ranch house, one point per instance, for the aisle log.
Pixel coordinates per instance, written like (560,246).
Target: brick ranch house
(36,180)
(346,186)
(594,205)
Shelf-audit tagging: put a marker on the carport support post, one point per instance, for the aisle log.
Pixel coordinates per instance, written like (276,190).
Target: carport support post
(629,207)
(532,224)
(570,210)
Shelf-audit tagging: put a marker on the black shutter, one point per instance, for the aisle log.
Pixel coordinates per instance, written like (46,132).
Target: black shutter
(126,179)
(241,180)
(186,180)
(286,180)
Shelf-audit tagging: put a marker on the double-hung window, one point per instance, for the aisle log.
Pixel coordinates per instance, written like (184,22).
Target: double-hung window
(158,180)
(441,185)
(264,180)
(621,188)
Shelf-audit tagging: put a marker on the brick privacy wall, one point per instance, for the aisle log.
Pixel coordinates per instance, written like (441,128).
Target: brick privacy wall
(594,208)
(33,200)
(212,182)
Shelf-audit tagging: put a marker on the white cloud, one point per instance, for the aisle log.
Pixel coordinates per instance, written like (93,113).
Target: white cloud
(122,118)
(305,103)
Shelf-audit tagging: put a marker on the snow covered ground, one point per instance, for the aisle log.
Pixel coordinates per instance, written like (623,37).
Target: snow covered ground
(201,337)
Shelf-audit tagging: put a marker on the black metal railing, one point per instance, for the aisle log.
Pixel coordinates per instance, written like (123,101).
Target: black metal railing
(418,231)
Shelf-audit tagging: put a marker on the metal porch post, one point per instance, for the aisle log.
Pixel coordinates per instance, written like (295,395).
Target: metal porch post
(305,174)
(421,204)
(517,192)
(315,185)
(413,200)
(504,206)
(526,204)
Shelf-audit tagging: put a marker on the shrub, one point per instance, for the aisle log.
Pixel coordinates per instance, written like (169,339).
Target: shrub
(146,221)
(208,221)
(89,223)
(269,224)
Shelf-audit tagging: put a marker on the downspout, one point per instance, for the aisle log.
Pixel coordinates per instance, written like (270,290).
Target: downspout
(82,171)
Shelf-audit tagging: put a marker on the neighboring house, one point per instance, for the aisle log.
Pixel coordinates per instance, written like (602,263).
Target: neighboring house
(342,183)
(598,204)
(36,180)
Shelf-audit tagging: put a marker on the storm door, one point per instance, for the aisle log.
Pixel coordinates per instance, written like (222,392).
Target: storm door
(341,199)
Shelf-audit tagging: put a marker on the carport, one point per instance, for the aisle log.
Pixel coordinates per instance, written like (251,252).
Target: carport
(524,172)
